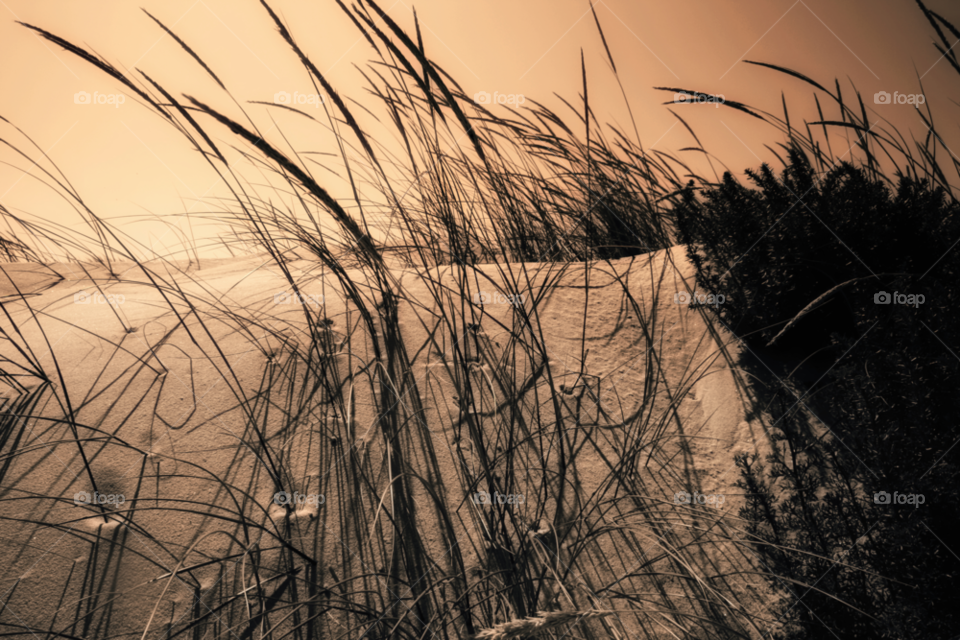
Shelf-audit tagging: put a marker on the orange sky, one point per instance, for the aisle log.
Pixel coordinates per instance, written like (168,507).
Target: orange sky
(124,161)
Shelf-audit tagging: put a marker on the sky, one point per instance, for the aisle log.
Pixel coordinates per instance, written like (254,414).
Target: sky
(127,164)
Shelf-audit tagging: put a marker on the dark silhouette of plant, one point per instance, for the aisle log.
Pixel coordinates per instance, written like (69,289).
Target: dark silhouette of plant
(825,265)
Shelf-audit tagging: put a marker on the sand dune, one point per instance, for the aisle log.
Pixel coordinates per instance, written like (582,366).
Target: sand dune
(198,392)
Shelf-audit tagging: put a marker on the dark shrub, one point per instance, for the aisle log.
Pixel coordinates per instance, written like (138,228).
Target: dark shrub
(888,390)
(774,249)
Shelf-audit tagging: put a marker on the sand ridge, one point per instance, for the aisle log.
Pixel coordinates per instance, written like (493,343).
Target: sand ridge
(184,370)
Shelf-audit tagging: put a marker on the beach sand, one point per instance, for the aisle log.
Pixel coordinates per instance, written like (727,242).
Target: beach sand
(196,395)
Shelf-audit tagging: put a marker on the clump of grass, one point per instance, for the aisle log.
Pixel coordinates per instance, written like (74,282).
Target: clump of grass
(532,627)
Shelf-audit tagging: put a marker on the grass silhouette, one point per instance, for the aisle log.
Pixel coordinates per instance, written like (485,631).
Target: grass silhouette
(394,385)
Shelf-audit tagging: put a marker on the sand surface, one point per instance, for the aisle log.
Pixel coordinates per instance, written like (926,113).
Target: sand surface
(195,423)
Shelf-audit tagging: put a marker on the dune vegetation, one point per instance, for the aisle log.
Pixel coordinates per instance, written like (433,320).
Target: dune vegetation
(552,385)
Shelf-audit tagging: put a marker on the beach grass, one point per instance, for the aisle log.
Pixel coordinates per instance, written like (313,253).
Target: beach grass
(407,399)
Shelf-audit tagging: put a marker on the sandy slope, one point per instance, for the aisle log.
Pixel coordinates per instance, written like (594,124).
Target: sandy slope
(164,394)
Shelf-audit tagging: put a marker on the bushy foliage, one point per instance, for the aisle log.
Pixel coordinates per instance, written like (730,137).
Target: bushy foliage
(778,247)
(887,398)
